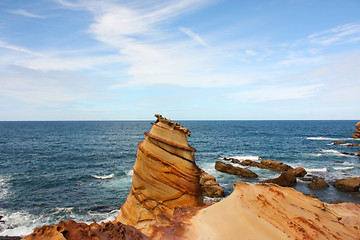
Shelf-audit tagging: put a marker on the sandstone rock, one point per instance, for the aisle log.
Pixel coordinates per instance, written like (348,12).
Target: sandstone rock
(266,211)
(275,165)
(165,176)
(298,172)
(358,153)
(306,179)
(318,184)
(338,143)
(210,187)
(357,131)
(230,169)
(348,184)
(71,230)
(286,179)
(251,163)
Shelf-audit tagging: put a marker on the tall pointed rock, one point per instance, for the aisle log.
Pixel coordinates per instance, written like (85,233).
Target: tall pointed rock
(165,176)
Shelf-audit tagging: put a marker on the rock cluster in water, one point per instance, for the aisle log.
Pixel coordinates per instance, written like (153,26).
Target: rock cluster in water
(357,131)
(165,176)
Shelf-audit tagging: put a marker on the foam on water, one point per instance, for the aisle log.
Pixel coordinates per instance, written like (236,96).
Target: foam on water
(342,168)
(130,172)
(4,187)
(246,157)
(317,170)
(327,138)
(103,177)
(313,154)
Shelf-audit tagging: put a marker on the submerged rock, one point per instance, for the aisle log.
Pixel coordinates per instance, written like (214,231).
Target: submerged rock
(210,186)
(357,131)
(230,169)
(318,184)
(71,230)
(267,164)
(165,176)
(351,184)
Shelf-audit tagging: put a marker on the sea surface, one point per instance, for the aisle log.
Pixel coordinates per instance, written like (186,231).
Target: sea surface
(52,171)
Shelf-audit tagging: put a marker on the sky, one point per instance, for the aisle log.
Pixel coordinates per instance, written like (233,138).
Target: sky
(185,59)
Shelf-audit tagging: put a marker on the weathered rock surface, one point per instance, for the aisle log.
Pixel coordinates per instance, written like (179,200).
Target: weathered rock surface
(286,179)
(210,186)
(71,230)
(267,164)
(346,144)
(267,211)
(165,176)
(230,169)
(298,172)
(351,184)
(357,131)
(318,184)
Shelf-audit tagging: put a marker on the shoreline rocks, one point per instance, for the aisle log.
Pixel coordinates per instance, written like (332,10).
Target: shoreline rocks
(351,184)
(230,169)
(357,131)
(267,164)
(318,184)
(210,186)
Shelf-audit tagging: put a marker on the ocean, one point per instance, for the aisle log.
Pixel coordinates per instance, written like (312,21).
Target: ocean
(82,170)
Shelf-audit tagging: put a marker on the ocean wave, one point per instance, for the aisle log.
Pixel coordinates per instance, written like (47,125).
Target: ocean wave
(313,154)
(4,187)
(317,170)
(130,172)
(342,168)
(331,151)
(103,177)
(246,157)
(327,138)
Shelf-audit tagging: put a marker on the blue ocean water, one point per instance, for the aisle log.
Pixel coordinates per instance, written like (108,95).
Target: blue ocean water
(52,171)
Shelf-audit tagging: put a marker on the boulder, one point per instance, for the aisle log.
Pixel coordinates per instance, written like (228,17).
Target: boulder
(298,172)
(358,153)
(210,186)
(275,165)
(230,169)
(71,230)
(357,131)
(165,177)
(351,184)
(286,179)
(318,184)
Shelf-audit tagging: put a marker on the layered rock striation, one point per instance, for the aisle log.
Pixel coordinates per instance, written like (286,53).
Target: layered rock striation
(165,176)
(357,131)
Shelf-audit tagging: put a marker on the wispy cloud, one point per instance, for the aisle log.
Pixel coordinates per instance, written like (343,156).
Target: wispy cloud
(337,35)
(25,13)
(19,49)
(193,35)
(275,93)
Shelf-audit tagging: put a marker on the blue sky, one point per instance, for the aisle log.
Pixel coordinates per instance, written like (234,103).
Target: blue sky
(185,59)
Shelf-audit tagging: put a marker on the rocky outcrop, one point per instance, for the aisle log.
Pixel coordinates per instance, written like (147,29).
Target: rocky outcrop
(267,211)
(286,179)
(210,186)
(165,176)
(230,169)
(346,144)
(71,230)
(357,131)
(267,164)
(318,184)
(351,184)
(298,172)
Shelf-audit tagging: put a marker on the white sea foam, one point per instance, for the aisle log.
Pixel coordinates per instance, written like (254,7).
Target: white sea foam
(331,151)
(313,154)
(317,170)
(249,157)
(103,177)
(327,138)
(342,168)
(4,187)
(130,172)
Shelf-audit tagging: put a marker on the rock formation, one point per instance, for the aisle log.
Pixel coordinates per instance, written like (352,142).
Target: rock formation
(267,211)
(351,184)
(70,230)
(318,183)
(230,169)
(267,164)
(286,179)
(165,176)
(357,131)
(210,186)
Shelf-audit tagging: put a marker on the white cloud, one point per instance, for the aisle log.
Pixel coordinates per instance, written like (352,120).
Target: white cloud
(19,49)
(337,35)
(25,13)
(250,52)
(193,35)
(275,93)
